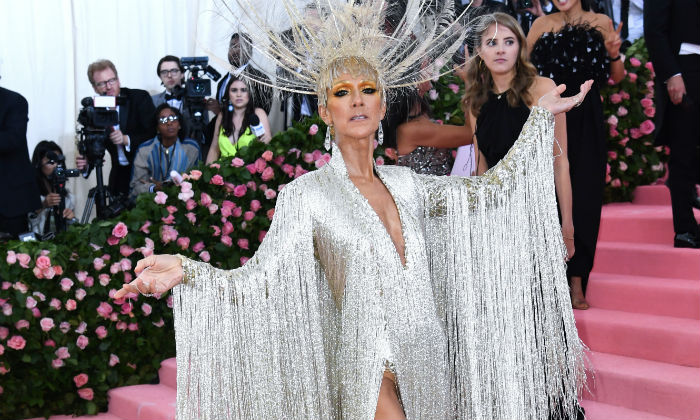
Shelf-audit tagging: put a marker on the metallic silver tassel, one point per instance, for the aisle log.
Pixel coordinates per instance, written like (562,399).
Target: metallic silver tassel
(380,134)
(327,142)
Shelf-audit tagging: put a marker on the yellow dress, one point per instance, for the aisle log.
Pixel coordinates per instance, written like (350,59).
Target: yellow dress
(478,322)
(229,149)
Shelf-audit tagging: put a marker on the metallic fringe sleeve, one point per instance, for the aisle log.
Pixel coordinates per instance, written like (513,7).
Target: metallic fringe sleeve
(497,263)
(244,335)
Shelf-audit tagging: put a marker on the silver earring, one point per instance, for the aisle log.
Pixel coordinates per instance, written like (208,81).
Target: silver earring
(380,135)
(327,143)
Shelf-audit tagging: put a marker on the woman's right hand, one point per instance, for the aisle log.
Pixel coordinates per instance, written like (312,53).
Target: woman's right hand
(156,274)
(52,199)
(555,104)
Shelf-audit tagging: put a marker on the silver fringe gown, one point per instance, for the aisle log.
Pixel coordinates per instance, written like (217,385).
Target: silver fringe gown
(478,323)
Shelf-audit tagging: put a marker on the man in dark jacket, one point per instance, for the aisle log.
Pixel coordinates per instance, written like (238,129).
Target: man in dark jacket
(19,193)
(672,34)
(135,126)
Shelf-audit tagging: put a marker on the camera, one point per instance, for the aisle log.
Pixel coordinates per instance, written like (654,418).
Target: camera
(58,180)
(197,88)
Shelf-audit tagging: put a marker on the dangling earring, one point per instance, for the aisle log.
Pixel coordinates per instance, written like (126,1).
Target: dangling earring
(380,134)
(327,142)
(230,107)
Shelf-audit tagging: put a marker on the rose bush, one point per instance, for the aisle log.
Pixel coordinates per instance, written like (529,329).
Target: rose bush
(64,342)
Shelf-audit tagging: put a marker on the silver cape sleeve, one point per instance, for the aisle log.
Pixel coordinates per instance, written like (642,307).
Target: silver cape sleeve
(249,341)
(497,262)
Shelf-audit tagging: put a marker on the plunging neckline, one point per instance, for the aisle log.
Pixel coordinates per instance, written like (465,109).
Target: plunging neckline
(341,166)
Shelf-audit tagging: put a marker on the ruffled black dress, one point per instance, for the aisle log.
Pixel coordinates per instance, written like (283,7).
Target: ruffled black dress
(573,55)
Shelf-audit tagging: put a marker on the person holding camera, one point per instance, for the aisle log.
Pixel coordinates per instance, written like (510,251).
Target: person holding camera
(239,122)
(135,109)
(169,151)
(47,160)
(18,188)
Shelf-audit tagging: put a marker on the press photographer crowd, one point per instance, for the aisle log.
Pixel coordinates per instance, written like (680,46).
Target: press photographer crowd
(150,140)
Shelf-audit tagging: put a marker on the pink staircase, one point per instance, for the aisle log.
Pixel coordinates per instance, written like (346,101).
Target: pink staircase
(643,327)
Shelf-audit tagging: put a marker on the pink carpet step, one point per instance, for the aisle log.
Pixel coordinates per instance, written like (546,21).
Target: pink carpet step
(143,402)
(654,387)
(652,194)
(641,294)
(653,260)
(100,416)
(599,411)
(625,222)
(650,337)
(168,373)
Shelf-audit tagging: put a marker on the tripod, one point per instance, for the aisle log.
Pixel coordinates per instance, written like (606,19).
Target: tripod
(98,195)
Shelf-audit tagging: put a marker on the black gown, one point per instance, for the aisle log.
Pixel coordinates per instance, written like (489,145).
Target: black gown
(498,126)
(573,55)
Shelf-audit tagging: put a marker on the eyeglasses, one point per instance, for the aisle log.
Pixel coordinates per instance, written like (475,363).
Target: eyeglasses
(169,118)
(172,72)
(110,82)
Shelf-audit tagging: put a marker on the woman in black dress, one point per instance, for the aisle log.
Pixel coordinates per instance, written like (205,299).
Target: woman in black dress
(502,86)
(569,47)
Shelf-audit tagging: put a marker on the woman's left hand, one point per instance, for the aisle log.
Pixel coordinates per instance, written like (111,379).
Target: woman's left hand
(68,213)
(568,235)
(613,41)
(554,103)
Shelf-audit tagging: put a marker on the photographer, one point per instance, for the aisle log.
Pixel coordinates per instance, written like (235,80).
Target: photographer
(135,124)
(18,189)
(168,151)
(46,158)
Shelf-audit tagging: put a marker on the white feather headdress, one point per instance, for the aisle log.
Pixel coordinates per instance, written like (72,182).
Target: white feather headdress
(404,41)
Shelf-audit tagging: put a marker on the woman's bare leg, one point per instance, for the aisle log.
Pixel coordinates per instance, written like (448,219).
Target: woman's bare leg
(578,300)
(388,404)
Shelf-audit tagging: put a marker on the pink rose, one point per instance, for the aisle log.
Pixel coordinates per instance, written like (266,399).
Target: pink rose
(114,268)
(71,305)
(55,304)
(613,132)
(7,309)
(650,112)
(133,326)
(198,247)
(104,309)
(16,342)
(226,240)
(191,217)
(104,278)
(270,194)
(217,231)
(121,326)
(299,171)
(43,262)
(240,190)
(147,309)
(185,195)
(195,174)
(649,66)
(248,216)
(260,165)
(86,393)
(267,155)
(612,155)
(379,161)
(21,324)
(268,174)
(125,264)
(288,169)
(616,183)
(11,257)
(635,133)
(270,213)
(20,286)
(237,212)
(4,331)
(244,260)
(454,88)
(647,127)
(113,359)
(213,208)
(183,242)
(168,220)
(628,151)
(217,180)
(80,380)
(168,234)
(624,141)
(98,263)
(24,260)
(612,120)
(623,166)
(215,166)
(251,168)
(646,102)
(62,353)
(57,363)
(120,230)
(633,77)
(46,324)
(101,332)
(635,62)
(36,313)
(625,95)
(81,328)
(204,199)
(243,243)
(127,308)
(80,294)
(227,228)
(255,205)
(319,163)
(160,198)
(204,256)
(30,302)
(48,343)
(237,162)
(261,235)
(622,111)
(432,94)
(615,98)
(38,273)
(145,226)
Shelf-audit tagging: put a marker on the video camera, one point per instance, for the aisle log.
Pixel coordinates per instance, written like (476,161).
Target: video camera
(197,88)
(97,121)
(58,179)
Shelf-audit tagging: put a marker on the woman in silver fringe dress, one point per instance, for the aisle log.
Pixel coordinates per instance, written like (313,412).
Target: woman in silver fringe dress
(380,293)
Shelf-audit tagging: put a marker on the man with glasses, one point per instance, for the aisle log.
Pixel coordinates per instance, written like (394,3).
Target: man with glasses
(135,109)
(172,77)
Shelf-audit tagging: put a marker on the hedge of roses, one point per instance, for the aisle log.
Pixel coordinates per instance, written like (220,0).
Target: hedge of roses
(64,342)
(629,109)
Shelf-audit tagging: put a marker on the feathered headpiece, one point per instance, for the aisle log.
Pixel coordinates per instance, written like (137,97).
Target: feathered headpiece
(403,42)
